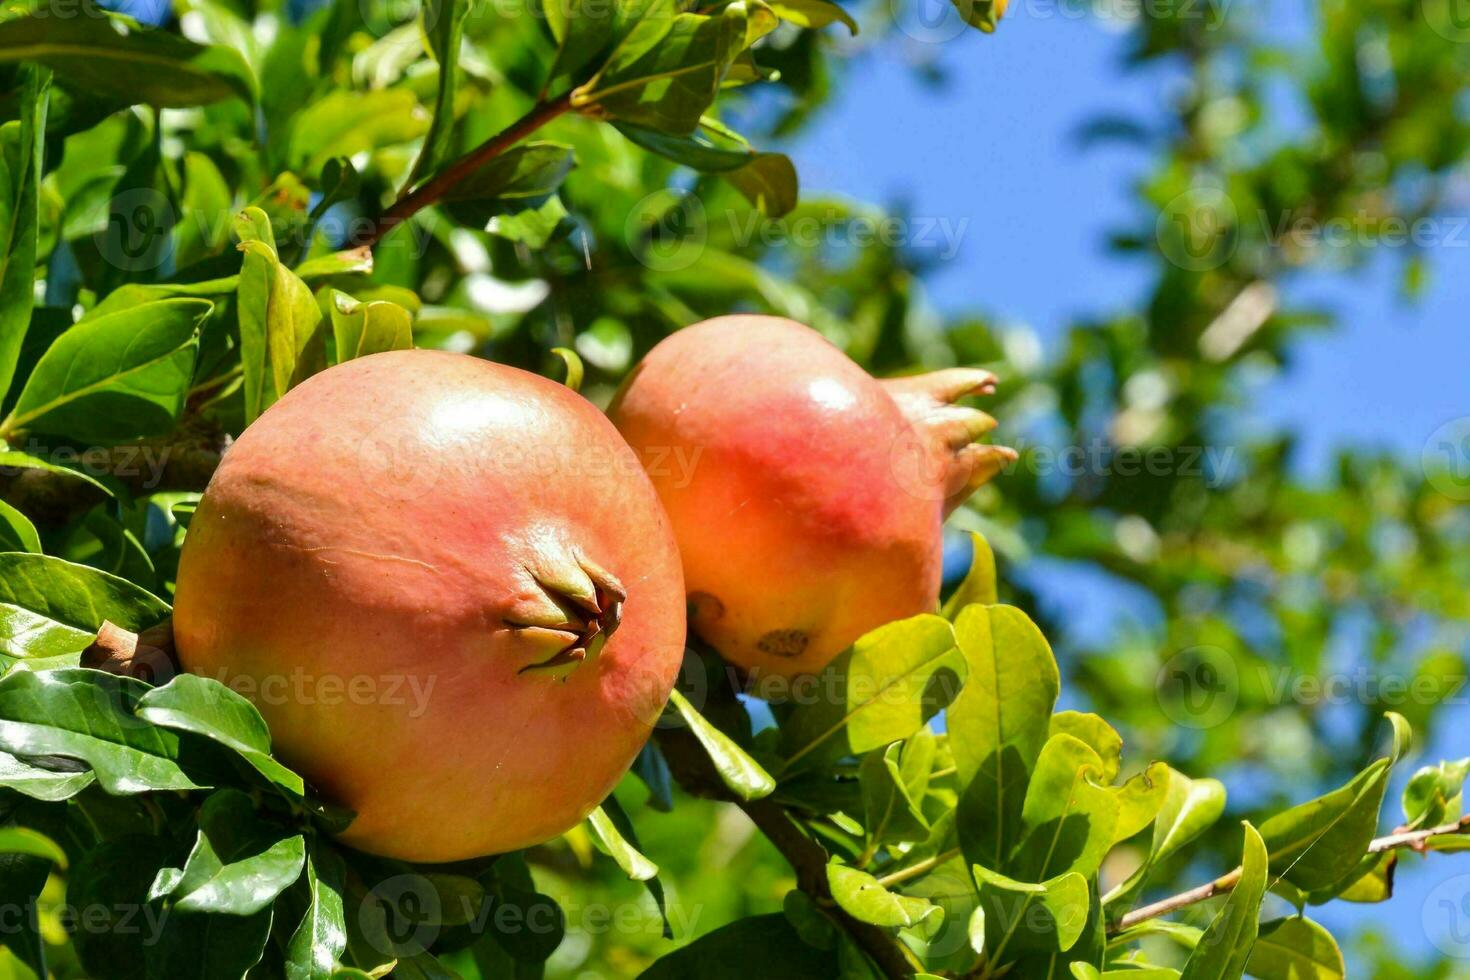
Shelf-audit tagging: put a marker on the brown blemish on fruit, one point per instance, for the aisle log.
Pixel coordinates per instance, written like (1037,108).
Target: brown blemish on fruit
(704,606)
(784,643)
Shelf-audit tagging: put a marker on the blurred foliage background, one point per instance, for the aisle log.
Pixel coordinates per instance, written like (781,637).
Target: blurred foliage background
(1135,464)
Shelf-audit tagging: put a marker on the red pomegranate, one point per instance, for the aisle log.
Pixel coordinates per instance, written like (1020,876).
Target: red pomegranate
(451,591)
(807,497)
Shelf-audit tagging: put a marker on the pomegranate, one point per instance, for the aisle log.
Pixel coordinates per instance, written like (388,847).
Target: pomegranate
(807,497)
(451,591)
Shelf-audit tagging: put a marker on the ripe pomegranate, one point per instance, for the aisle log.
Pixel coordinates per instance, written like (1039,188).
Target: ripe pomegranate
(452,593)
(807,497)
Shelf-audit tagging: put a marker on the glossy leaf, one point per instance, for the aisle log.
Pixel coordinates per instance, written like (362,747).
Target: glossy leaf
(1097,734)
(47,785)
(979,584)
(115,377)
(1068,817)
(741,774)
(444,28)
(894,782)
(1225,947)
(24,840)
(1011,923)
(360,329)
(208,708)
(864,898)
(99,54)
(612,843)
(239,863)
(22,158)
(280,341)
(998,724)
(88,715)
(815,14)
(886,687)
(1434,795)
(1190,807)
(764,946)
(1296,949)
(17,533)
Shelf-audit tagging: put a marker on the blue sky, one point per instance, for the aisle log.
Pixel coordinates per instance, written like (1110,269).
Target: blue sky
(996,149)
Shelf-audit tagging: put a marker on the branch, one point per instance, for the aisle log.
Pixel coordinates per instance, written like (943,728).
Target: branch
(691,767)
(1412,838)
(183,460)
(447,179)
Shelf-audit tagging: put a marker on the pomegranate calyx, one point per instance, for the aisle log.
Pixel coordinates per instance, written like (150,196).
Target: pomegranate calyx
(952,431)
(590,618)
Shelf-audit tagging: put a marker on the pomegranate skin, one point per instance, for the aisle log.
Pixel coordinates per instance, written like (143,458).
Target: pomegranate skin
(808,498)
(452,593)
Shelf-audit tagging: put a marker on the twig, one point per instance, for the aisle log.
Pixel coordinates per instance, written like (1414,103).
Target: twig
(691,766)
(443,182)
(1223,884)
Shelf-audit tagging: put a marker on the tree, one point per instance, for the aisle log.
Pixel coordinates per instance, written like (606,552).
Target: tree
(323,186)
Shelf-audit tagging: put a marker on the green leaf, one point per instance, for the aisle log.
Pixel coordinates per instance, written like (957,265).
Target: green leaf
(893,785)
(1097,734)
(741,774)
(106,55)
(112,879)
(1375,884)
(360,329)
(46,785)
(1140,799)
(239,863)
(817,14)
(886,688)
(88,715)
(998,724)
(612,843)
(981,14)
(979,585)
(1068,816)
(864,898)
(1296,949)
(1225,947)
(1190,807)
(115,377)
(24,840)
(344,123)
(201,231)
(669,80)
(768,181)
(589,31)
(1317,845)
(206,707)
(1434,795)
(209,947)
(1007,902)
(521,180)
(22,157)
(37,590)
(444,28)
(17,533)
(280,343)
(764,946)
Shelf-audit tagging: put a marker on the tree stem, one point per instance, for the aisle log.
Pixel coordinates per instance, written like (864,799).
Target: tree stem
(1223,884)
(441,183)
